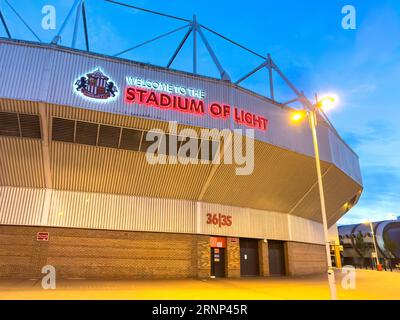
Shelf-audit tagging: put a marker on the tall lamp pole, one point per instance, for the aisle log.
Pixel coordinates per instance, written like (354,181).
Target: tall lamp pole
(312,118)
(374,241)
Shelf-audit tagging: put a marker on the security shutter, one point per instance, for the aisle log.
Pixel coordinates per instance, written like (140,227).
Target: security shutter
(63,130)
(9,124)
(109,136)
(86,133)
(30,126)
(130,139)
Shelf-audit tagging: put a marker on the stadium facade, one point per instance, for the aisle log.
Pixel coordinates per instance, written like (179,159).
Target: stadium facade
(77,191)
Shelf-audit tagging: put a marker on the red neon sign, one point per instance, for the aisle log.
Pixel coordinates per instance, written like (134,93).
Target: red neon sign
(150,98)
(164,101)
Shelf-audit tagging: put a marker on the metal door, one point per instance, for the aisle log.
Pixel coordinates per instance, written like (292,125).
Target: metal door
(249,263)
(218,262)
(276,256)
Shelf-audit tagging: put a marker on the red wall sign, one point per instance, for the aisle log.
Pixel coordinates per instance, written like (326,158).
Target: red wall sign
(42,236)
(218,219)
(217,242)
(166,101)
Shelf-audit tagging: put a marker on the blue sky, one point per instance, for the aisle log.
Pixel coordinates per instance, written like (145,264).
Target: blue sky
(305,39)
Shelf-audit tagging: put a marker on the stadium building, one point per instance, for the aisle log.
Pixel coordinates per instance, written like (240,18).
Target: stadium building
(78,192)
(359,247)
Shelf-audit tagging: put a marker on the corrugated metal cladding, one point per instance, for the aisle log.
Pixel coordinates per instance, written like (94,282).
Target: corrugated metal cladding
(26,206)
(282,181)
(7,105)
(336,186)
(304,230)
(82,168)
(246,222)
(21,206)
(104,211)
(279,181)
(49,74)
(21,162)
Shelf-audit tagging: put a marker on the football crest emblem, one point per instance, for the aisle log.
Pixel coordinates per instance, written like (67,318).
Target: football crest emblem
(96,85)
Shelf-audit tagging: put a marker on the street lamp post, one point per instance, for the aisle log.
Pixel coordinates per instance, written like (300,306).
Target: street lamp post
(312,118)
(375,246)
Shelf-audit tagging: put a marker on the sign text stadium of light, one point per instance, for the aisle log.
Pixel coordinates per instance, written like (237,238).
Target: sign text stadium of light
(166,96)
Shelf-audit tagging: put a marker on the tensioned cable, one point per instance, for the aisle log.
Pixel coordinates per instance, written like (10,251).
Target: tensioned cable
(149,11)
(151,40)
(233,42)
(23,21)
(186,20)
(5,25)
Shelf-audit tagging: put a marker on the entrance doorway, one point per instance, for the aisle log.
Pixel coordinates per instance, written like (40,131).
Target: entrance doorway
(276,257)
(218,247)
(249,265)
(218,262)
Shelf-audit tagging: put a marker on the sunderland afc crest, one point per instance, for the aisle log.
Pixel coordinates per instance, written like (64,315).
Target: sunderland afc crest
(96,85)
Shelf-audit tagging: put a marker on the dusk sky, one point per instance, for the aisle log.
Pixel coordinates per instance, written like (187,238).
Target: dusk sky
(306,40)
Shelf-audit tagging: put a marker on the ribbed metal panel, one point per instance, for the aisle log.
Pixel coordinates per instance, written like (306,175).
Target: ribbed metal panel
(19,106)
(337,189)
(245,222)
(281,132)
(344,158)
(304,230)
(49,74)
(25,206)
(279,180)
(102,211)
(82,168)
(114,119)
(22,71)
(21,162)
(21,206)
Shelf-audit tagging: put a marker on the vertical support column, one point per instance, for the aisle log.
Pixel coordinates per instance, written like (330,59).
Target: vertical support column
(337,257)
(289,266)
(46,162)
(263,258)
(232,258)
(198,217)
(45,145)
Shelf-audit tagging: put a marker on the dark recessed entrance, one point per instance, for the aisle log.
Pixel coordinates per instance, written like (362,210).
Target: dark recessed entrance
(249,265)
(218,262)
(276,256)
